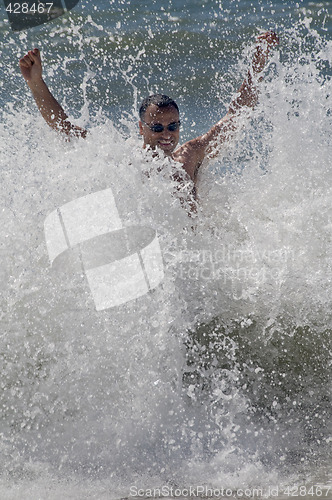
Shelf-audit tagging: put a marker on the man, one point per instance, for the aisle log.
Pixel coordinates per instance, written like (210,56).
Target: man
(159,122)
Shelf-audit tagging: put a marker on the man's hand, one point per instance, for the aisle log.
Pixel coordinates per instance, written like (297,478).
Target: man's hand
(31,67)
(265,42)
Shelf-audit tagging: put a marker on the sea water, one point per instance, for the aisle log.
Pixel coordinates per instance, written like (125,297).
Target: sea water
(216,382)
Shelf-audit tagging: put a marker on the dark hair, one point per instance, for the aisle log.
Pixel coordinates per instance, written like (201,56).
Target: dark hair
(160,100)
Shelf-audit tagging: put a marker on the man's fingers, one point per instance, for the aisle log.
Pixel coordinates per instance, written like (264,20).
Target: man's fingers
(26,61)
(35,55)
(23,63)
(273,38)
(30,58)
(265,42)
(270,36)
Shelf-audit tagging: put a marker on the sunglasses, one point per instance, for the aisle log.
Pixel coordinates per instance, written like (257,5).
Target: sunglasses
(158,127)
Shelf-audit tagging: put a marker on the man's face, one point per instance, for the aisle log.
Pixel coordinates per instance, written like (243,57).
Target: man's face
(165,140)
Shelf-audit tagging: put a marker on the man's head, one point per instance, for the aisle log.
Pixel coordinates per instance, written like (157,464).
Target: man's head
(159,123)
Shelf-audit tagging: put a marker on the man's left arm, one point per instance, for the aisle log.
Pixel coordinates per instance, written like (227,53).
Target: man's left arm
(208,145)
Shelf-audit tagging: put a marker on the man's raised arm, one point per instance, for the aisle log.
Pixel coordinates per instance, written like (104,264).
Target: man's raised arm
(52,112)
(192,153)
(247,96)
(248,92)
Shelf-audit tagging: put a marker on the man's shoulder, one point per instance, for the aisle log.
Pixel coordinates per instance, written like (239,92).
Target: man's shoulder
(191,145)
(191,155)
(191,149)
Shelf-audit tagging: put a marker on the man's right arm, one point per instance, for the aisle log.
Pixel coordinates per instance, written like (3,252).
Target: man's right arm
(52,112)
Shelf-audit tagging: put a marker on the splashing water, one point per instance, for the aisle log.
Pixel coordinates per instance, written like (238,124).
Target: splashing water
(220,375)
